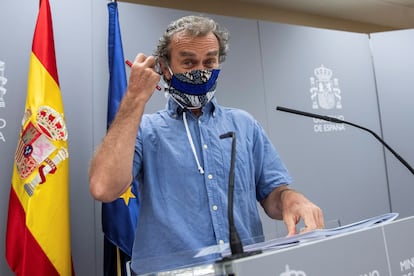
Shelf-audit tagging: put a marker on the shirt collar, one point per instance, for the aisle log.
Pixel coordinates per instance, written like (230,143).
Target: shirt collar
(176,111)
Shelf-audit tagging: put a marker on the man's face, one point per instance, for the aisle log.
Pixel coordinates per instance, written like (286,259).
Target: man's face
(191,53)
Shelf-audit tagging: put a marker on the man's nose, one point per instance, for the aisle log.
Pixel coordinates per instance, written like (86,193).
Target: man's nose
(199,66)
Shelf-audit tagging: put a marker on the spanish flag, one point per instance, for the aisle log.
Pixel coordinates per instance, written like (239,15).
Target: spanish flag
(38,231)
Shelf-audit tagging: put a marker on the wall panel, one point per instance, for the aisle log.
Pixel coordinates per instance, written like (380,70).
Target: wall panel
(394,63)
(329,73)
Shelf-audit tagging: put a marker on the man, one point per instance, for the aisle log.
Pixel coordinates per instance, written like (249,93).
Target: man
(180,161)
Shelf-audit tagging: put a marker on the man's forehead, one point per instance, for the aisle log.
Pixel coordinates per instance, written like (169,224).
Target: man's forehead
(189,53)
(187,45)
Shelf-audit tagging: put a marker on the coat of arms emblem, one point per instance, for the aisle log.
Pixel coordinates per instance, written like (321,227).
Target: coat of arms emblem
(325,92)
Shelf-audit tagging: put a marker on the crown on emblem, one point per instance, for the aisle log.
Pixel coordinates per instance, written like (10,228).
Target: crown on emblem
(51,123)
(323,73)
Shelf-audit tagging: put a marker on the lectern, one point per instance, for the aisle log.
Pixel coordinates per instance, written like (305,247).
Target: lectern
(380,250)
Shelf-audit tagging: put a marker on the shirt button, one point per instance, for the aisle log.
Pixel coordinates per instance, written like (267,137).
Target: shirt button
(210,176)
(221,242)
(215,207)
(205,146)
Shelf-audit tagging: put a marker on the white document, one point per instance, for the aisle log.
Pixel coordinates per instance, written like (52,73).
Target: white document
(301,238)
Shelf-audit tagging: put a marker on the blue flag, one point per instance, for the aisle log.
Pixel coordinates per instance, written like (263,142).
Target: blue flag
(119,218)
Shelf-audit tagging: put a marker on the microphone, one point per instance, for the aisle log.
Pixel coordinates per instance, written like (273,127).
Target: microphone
(236,244)
(339,121)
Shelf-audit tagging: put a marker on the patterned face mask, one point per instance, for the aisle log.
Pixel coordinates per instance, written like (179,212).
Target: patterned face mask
(193,89)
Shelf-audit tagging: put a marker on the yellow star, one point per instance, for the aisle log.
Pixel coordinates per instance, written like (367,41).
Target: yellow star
(127,195)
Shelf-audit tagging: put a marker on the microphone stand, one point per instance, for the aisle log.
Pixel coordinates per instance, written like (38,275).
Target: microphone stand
(335,120)
(236,244)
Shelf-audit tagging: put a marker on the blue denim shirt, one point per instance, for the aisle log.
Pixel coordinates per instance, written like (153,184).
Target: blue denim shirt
(183,210)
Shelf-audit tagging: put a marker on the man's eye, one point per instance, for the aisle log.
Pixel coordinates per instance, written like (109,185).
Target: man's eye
(188,63)
(210,63)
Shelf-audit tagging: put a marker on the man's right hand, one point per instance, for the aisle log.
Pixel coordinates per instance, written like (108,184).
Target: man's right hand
(143,78)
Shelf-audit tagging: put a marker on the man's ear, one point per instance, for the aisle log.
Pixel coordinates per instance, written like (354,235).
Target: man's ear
(164,69)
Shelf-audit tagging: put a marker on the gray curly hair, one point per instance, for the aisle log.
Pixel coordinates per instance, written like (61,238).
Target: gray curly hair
(195,26)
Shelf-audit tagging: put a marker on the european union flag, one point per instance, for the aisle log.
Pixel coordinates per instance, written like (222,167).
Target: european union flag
(119,218)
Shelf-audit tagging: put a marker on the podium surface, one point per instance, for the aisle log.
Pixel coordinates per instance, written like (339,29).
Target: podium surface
(381,250)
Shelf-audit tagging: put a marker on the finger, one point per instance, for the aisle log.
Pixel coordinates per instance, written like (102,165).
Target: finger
(321,220)
(304,230)
(318,218)
(314,220)
(149,62)
(140,58)
(291,227)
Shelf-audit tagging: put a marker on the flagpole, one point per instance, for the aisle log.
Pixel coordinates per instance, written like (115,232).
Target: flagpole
(118,262)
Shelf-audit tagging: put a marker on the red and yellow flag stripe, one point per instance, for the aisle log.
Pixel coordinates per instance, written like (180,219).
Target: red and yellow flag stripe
(38,229)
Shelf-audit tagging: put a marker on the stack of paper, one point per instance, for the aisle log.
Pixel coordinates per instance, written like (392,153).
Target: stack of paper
(301,238)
